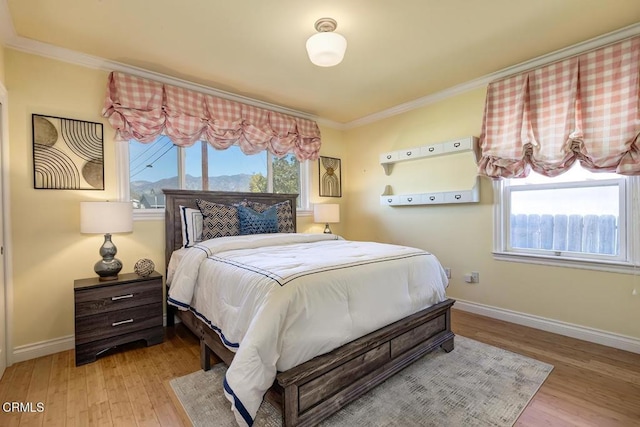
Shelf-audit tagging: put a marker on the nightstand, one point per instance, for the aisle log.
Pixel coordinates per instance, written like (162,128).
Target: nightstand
(116,312)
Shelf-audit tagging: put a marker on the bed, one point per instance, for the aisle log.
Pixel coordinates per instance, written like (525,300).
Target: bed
(312,390)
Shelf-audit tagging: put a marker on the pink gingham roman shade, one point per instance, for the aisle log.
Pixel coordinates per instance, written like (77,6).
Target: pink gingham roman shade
(143,109)
(584,108)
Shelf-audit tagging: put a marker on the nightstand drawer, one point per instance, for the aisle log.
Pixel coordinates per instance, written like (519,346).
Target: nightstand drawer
(115,298)
(113,323)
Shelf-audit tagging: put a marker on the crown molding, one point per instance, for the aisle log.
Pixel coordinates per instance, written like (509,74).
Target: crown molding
(558,55)
(47,50)
(13,41)
(7,31)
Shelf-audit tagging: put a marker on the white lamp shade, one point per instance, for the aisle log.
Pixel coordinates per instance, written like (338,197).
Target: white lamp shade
(326,212)
(106,217)
(326,49)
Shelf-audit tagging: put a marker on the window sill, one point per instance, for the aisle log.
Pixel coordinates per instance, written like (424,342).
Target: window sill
(598,265)
(148,214)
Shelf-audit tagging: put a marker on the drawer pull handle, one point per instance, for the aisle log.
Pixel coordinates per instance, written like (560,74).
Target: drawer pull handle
(122,322)
(408,153)
(410,199)
(458,196)
(431,149)
(121,297)
(456,144)
(388,156)
(432,198)
(389,200)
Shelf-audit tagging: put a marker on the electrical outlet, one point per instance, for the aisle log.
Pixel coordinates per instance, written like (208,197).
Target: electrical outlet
(475,277)
(447,271)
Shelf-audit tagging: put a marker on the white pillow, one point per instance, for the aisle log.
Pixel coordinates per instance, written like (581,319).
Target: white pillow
(191,226)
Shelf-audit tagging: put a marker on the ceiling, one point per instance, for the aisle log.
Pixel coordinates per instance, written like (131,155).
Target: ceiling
(397,51)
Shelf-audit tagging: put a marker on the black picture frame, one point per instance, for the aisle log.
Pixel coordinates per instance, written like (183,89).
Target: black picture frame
(68,154)
(329,177)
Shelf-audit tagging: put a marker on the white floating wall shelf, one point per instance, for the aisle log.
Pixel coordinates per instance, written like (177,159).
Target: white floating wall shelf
(387,160)
(434,198)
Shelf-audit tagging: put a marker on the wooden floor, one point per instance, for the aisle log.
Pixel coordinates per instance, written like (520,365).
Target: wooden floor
(590,385)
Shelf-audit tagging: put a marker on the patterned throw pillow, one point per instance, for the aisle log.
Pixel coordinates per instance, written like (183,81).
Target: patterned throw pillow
(283,211)
(252,222)
(191,226)
(219,220)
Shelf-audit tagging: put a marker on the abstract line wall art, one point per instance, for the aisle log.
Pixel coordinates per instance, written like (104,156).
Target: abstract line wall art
(330,180)
(67,154)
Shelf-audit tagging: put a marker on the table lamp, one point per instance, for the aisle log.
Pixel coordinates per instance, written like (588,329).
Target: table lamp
(106,218)
(327,213)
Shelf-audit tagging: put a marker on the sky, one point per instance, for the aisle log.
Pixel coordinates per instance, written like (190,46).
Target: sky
(162,156)
(604,200)
(570,201)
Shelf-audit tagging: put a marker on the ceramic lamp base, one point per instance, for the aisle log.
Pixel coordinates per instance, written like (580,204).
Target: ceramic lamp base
(108,270)
(109,266)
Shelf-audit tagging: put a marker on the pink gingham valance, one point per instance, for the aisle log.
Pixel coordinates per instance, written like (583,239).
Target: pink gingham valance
(143,109)
(585,108)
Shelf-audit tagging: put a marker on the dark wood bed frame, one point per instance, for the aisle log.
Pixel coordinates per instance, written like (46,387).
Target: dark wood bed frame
(312,391)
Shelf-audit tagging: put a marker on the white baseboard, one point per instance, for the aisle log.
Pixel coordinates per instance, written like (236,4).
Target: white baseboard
(42,348)
(622,342)
(45,348)
(584,333)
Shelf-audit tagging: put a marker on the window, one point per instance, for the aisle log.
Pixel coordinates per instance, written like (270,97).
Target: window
(160,164)
(583,107)
(579,217)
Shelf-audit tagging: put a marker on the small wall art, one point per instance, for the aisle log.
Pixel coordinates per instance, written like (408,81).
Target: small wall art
(330,177)
(68,154)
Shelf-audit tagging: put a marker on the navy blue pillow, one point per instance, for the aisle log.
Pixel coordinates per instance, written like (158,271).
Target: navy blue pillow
(252,222)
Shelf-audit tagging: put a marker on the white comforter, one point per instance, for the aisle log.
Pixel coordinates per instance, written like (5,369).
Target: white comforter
(281,299)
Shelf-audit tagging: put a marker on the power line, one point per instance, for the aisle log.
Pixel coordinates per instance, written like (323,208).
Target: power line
(149,147)
(155,147)
(154,161)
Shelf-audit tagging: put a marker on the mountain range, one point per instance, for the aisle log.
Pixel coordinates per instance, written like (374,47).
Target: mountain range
(239,182)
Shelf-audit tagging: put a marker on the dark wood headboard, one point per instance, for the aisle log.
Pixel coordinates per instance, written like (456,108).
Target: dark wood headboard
(177,198)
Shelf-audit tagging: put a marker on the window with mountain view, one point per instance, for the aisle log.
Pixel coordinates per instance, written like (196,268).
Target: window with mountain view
(161,164)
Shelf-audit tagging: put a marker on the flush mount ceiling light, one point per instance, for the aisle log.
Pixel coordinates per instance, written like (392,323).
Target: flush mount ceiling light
(326,48)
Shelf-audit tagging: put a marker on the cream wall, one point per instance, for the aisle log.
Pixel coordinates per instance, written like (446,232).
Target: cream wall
(49,252)
(461,235)
(332,146)
(2,64)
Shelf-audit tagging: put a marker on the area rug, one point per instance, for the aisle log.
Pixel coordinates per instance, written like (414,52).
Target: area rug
(474,385)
